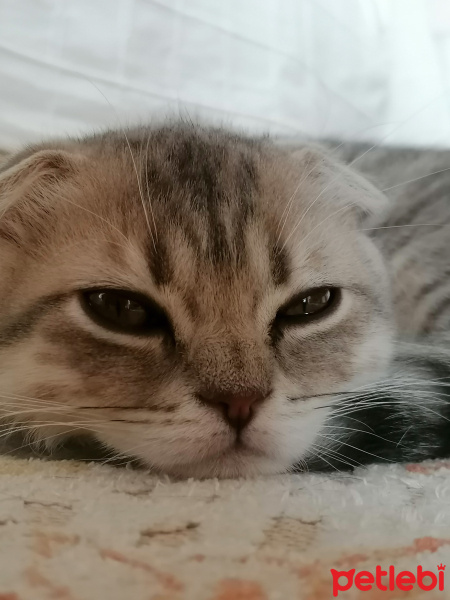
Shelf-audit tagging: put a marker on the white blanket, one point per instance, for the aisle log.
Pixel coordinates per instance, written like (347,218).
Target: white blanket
(376,70)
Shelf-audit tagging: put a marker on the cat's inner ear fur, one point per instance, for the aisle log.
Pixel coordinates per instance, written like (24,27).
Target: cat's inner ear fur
(29,186)
(342,183)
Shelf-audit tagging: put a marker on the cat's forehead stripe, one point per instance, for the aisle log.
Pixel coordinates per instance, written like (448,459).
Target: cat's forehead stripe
(204,188)
(279,264)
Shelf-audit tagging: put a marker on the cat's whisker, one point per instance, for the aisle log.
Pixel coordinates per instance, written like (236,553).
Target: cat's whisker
(359,431)
(342,458)
(321,455)
(352,163)
(108,223)
(304,178)
(290,202)
(405,225)
(37,424)
(138,178)
(141,194)
(128,455)
(299,222)
(93,424)
(34,444)
(388,383)
(404,435)
(148,191)
(335,455)
(375,401)
(382,392)
(341,442)
(308,235)
(399,126)
(415,179)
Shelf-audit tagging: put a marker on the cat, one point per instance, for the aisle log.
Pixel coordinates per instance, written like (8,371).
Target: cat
(221,305)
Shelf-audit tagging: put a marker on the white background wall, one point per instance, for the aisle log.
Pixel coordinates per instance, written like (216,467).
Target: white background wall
(361,69)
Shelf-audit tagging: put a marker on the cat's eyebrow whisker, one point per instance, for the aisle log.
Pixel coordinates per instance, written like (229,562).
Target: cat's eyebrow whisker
(405,225)
(305,176)
(91,212)
(138,178)
(399,126)
(141,192)
(305,212)
(415,179)
(148,190)
(352,163)
(290,202)
(303,240)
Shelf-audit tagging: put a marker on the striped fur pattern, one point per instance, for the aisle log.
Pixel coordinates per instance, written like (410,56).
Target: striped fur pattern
(220,230)
(406,415)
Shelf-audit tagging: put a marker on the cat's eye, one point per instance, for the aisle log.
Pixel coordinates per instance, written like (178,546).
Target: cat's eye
(312,303)
(124,311)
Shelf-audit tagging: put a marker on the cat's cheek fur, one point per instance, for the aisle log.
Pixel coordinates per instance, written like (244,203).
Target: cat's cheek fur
(176,449)
(287,433)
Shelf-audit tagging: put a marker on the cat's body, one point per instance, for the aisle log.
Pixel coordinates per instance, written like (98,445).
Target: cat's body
(410,410)
(224,306)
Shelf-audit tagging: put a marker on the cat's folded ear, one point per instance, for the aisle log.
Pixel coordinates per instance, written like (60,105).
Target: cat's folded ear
(342,184)
(29,183)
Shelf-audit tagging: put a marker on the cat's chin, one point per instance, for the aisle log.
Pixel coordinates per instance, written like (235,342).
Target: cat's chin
(232,464)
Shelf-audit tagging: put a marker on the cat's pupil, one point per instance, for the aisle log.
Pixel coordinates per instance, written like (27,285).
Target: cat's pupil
(115,310)
(309,304)
(315,302)
(123,311)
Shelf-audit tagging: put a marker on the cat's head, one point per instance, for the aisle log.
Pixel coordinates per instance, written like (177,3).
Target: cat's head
(188,296)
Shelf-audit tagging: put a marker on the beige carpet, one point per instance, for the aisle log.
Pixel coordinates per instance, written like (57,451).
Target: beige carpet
(78,531)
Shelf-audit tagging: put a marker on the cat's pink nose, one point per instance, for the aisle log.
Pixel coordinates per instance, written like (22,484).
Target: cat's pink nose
(238,407)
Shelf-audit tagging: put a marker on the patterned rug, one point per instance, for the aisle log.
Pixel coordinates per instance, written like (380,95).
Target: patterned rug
(81,531)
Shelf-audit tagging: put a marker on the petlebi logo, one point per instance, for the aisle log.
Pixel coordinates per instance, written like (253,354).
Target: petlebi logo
(388,579)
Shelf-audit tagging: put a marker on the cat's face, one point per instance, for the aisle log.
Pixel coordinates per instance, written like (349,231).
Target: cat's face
(204,363)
